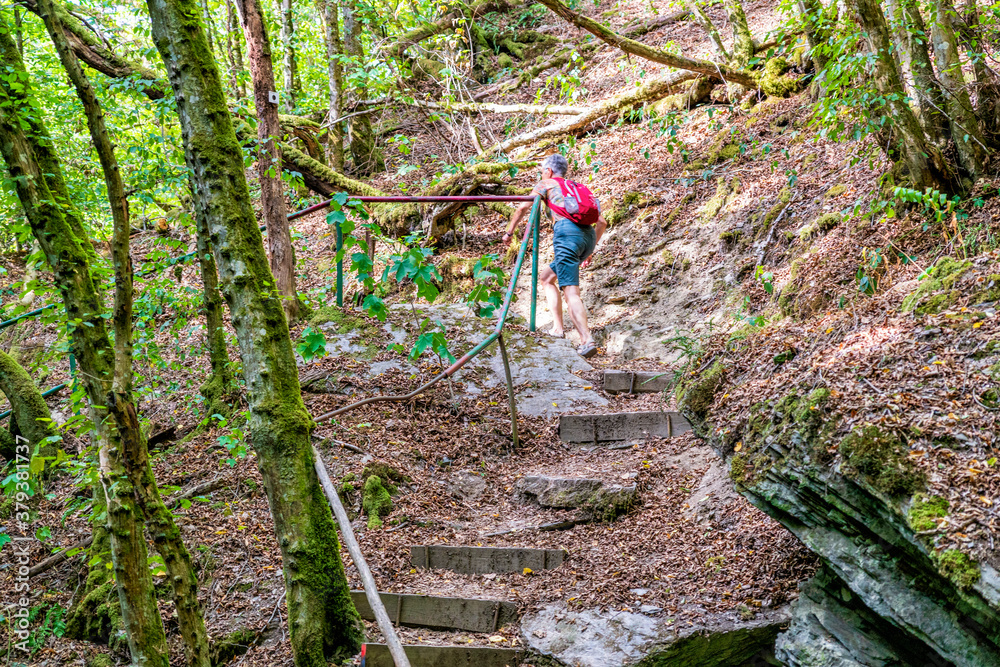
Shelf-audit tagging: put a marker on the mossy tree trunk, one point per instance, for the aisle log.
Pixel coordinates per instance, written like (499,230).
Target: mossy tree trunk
(323,621)
(28,408)
(220,383)
(962,121)
(812,13)
(926,165)
(743,47)
(22,139)
(272,200)
(95,615)
(365,155)
(335,79)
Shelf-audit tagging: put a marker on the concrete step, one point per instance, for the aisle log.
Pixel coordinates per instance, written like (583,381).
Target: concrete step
(484,560)
(440,613)
(620,426)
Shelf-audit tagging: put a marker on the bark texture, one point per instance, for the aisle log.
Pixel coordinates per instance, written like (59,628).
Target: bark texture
(50,221)
(322,619)
(930,96)
(743,47)
(702,19)
(272,200)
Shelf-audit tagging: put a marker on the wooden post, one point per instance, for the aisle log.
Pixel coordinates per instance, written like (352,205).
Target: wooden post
(371,590)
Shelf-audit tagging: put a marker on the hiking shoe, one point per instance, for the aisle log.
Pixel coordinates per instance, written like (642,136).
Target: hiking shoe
(587,350)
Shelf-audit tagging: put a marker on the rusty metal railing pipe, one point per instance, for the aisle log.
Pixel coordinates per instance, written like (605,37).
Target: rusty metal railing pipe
(471,354)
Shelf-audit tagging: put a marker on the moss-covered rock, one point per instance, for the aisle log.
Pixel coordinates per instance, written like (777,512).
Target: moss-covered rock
(936,291)
(776,82)
(376,501)
(425,68)
(989,292)
(879,457)
(504,61)
(958,567)
(234,644)
(820,225)
(924,511)
(695,394)
(835,191)
(724,192)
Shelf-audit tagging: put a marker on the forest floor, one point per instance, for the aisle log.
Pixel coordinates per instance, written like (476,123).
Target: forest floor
(677,265)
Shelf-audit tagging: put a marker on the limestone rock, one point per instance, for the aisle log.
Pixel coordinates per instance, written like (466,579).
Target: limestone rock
(602,501)
(604,638)
(467,484)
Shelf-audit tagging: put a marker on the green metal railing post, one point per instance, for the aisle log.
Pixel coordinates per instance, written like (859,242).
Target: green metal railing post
(536,216)
(340,267)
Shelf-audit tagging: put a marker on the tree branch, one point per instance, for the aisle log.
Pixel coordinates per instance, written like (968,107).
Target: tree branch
(707,68)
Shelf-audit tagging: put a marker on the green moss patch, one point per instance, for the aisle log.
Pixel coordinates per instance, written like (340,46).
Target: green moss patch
(990,291)
(232,645)
(724,193)
(936,291)
(879,457)
(925,510)
(958,567)
(835,191)
(695,394)
(376,502)
(820,225)
(776,82)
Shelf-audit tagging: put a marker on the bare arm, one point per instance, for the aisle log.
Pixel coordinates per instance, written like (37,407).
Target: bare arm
(516,218)
(599,228)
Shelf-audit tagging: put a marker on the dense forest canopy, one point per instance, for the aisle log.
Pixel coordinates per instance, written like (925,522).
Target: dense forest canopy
(154,152)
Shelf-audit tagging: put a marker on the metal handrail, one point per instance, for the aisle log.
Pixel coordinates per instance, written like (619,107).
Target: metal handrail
(465,358)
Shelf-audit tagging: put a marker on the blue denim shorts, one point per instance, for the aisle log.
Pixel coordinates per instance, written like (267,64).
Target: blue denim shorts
(572,244)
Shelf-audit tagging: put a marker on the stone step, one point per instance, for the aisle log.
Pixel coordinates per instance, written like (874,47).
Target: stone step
(628,382)
(446,656)
(484,560)
(621,426)
(440,613)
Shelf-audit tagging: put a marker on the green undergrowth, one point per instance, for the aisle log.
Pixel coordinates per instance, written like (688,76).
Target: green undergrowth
(879,458)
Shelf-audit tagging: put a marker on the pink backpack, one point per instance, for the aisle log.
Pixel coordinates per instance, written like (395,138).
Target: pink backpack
(580,205)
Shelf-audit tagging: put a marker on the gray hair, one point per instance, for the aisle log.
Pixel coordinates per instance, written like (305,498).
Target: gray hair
(557,163)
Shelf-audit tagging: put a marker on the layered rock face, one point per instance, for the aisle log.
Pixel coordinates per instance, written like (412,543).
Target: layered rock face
(887,472)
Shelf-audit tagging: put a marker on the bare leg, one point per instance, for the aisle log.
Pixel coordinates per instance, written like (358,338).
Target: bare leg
(577,312)
(554,299)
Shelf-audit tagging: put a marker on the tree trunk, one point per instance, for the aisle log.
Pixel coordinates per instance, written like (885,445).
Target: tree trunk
(924,161)
(743,47)
(335,77)
(50,221)
(443,24)
(119,400)
(95,615)
(702,19)
(811,12)
(707,68)
(28,408)
(272,199)
(366,156)
(219,385)
(234,52)
(322,618)
(930,97)
(288,64)
(962,121)
(987,84)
